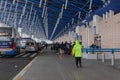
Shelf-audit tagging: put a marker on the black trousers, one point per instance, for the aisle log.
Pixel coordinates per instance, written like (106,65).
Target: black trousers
(78,61)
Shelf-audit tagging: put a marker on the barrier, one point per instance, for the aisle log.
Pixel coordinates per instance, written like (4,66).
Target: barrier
(96,50)
(112,50)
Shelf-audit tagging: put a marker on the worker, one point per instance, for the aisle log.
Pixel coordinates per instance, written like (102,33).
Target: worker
(77,53)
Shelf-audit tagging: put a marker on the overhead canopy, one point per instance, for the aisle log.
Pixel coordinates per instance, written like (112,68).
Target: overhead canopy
(46,18)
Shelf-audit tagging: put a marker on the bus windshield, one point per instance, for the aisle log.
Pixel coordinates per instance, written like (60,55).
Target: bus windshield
(4,32)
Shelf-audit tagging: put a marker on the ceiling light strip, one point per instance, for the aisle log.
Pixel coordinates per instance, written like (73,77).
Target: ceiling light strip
(44,8)
(90,4)
(9,13)
(40,3)
(72,20)
(30,12)
(33,21)
(66,4)
(5,6)
(58,20)
(1,2)
(13,1)
(20,19)
(62,11)
(24,8)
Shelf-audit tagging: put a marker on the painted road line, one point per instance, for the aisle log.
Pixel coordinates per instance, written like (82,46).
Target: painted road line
(19,55)
(24,70)
(33,55)
(26,55)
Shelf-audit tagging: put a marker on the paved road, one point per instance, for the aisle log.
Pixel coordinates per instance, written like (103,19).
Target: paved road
(11,66)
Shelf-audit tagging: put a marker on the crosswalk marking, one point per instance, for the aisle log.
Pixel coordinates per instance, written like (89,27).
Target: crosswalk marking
(33,55)
(19,55)
(23,55)
(26,55)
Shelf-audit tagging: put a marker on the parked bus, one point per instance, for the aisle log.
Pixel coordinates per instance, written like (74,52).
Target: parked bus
(9,41)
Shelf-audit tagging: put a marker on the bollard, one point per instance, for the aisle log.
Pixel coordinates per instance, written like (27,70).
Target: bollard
(103,57)
(113,60)
(96,56)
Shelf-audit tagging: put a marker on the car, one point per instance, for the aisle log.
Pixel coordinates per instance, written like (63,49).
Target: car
(31,46)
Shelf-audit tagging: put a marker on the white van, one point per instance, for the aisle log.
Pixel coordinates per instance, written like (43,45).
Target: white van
(31,46)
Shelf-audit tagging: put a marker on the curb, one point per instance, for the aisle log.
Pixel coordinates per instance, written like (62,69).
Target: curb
(24,70)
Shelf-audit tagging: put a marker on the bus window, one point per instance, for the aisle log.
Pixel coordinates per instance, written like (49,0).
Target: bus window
(5,32)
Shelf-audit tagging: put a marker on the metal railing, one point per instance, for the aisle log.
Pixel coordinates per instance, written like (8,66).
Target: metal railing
(96,50)
(112,50)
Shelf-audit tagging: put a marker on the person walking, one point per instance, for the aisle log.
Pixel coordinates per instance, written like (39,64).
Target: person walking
(77,53)
(62,49)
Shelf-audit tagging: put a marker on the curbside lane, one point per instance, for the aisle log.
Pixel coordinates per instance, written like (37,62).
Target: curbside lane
(24,70)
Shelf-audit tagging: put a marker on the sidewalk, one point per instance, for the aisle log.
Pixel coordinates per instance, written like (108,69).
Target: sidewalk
(49,66)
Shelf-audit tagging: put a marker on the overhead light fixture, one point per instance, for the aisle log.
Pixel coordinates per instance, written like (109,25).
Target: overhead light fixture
(68,25)
(1,4)
(72,20)
(44,8)
(66,3)
(84,21)
(61,11)
(9,13)
(5,6)
(90,6)
(108,1)
(30,12)
(20,19)
(24,8)
(40,3)
(43,11)
(79,15)
(33,20)
(13,1)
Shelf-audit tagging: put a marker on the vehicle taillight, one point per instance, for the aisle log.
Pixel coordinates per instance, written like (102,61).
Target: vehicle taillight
(14,46)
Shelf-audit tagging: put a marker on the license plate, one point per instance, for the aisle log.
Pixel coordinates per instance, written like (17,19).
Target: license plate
(3,52)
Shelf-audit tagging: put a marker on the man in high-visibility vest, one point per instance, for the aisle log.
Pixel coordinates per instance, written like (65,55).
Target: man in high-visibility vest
(77,53)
